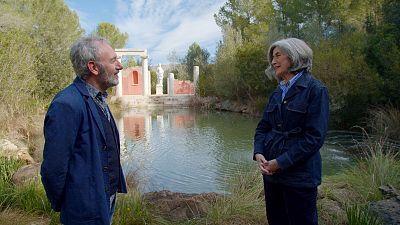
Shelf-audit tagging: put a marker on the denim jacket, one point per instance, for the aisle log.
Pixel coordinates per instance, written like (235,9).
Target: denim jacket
(293,130)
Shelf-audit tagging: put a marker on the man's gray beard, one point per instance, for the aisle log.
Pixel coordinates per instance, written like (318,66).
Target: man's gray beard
(107,79)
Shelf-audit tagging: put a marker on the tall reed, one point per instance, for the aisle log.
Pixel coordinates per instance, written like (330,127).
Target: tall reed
(385,121)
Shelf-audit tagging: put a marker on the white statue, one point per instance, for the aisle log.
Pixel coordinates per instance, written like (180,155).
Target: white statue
(160,75)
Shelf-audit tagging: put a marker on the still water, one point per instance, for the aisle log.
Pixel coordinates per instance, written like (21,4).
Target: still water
(183,150)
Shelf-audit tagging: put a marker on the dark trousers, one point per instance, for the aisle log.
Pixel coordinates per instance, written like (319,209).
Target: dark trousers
(290,205)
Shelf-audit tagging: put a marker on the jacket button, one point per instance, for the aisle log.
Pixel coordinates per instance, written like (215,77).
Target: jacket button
(105,147)
(284,102)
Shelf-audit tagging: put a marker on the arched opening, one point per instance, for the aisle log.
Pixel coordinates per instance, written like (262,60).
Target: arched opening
(135,77)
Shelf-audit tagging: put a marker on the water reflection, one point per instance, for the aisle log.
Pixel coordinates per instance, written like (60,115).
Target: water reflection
(188,151)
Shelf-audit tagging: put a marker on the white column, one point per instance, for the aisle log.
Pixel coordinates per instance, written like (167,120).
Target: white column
(145,73)
(118,91)
(147,125)
(171,80)
(196,72)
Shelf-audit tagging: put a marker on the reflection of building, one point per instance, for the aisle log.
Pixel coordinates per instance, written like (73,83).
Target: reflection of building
(137,124)
(183,120)
(134,127)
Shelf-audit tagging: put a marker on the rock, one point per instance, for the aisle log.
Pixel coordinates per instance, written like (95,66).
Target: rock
(387,210)
(389,191)
(26,173)
(180,206)
(11,150)
(7,147)
(332,210)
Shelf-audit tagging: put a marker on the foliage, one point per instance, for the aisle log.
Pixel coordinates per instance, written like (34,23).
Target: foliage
(206,86)
(383,50)
(244,204)
(29,197)
(53,29)
(226,74)
(341,66)
(355,43)
(357,215)
(385,121)
(195,56)
(110,32)
(17,85)
(132,210)
(252,79)
(8,168)
(378,165)
(250,18)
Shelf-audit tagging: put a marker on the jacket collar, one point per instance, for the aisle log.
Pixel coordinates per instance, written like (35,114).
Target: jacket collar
(81,86)
(301,83)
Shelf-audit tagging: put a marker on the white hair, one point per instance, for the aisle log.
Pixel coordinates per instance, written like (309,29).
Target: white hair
(298,52)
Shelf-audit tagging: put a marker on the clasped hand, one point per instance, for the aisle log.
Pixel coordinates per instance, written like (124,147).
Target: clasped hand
(266,167)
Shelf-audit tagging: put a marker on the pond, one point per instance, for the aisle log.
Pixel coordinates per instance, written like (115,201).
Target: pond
(183,150)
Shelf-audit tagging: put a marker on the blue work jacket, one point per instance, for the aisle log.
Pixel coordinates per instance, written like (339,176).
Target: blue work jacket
(293,130)
(72,171)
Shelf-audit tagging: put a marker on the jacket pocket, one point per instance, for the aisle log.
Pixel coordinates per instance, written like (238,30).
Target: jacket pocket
(80,201)
(297,107)
(296,113)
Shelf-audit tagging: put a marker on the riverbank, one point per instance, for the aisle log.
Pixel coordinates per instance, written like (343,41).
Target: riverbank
(338,194)
(253,108)
(25,203)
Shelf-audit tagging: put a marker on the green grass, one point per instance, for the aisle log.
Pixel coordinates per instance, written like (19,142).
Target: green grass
(244,203)
(8,168)
(355,187)
(29,198)
(378,166)
(385,121)
(357,215)
(131,209)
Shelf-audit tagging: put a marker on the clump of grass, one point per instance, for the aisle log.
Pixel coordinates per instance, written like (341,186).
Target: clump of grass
(379,165)
(29,197)
(8,168)
(385,121)
(244,204)
(131,209)
(357,215)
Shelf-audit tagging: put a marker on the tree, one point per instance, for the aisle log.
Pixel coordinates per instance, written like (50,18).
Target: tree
(54,27)
(251,18)
(110,32)
(383,50)
(226,74)
(195,56)
(352,85)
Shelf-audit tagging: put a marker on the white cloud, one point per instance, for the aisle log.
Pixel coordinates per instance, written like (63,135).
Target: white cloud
(163,26)
(84,19)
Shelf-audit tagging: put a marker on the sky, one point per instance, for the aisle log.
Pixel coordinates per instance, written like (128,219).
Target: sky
(160,26)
